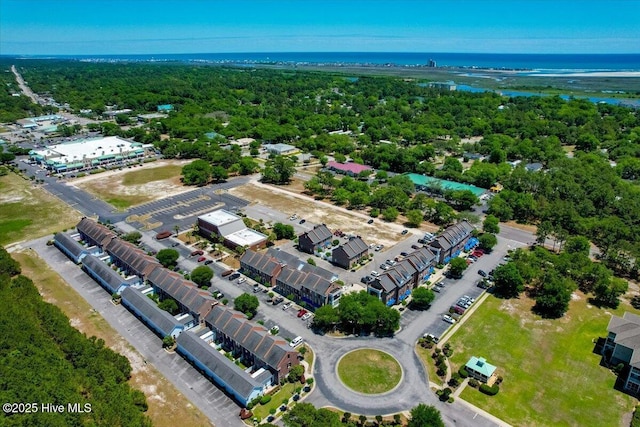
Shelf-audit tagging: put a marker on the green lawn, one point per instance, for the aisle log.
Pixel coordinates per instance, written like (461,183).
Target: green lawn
(146,175)
(28,212)
(286,391)
(369,371)
(551,375)
(427,360)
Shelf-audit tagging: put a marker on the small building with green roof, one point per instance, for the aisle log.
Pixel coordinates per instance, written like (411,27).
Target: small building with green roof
(481,370)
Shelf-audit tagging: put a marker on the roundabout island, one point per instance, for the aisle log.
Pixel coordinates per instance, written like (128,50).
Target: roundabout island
(369,371)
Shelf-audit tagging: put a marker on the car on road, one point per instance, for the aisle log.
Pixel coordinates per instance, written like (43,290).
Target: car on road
(302,312)
(256,289)
(370,221)
(405,231)
(201,259)
(197,252)
(302,221)
(163,235)
(207,262)
(482,273)
(286,306)
(226,273)
(293,217)
(242,280)
(234,276)
(306,316)
(448,319)
(174,244)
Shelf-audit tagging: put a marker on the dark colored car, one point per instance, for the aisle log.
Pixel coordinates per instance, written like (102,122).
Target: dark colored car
(207,262)
(234,276)
(198,252)
(370,221)
(277,300)
(226,273)
(405,231)
(163,235)
(404,254)
(482,273)
(415,247)
(302,221)
(173,245)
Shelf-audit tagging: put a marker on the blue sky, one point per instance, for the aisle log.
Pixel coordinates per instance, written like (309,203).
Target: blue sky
(50,27)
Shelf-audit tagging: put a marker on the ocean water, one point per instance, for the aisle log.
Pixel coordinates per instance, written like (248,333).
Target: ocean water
(539,62)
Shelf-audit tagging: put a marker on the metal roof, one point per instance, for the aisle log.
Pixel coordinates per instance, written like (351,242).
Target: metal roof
(110,278)
(144,306)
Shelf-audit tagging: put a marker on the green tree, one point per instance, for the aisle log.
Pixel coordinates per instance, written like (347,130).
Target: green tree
(543,231)
(278,170)
(246,303)
(607,294)
(552,298)
(414,217)
(487,241)
(295,373)
(421,298)
(577,245)
(457,267)
(452,164)
(247,165)
(168,341)
(462,200)
(197,172)
(425,416)
(169,305)
(133,237)
(306,415)
(168,257)
(218,174)
(284,231)
(491,224)
(508,281)
(202,276)
(390,214)
(326,317)
(402,182)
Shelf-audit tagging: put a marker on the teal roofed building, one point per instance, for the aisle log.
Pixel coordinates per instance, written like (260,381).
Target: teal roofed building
(437,185)
(481,370)
(165,107)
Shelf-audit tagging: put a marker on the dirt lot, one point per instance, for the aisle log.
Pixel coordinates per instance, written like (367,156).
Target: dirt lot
(130,187)
(167,406)
(336,218)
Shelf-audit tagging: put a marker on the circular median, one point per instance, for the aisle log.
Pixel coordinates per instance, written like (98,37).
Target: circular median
(369,371)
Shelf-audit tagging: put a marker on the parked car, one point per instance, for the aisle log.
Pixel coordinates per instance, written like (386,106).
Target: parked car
(483,285)
(437,289)
(457,309)
(201,259)
(370,221)
(296,342)
(378,248)
(207,262)
(174,244)
(391,262)
(384,267)
(414,246)
(375,273)
(421,241)
(302,312)
(226,273)
(256,289)
(163,235)
(306,316)
(366,280)
(277,300)
(405,231)
(293,217)
(302,221)
(234,276)
(448,319)
(482,273)
(286,306)
(432,337)
(242,280)
(197,252)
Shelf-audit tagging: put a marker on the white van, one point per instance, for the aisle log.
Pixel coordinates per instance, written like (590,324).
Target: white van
(296,342)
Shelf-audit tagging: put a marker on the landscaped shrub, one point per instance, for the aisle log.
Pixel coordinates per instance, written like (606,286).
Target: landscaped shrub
(463,372)
(635,421)
(265,399)
(455,380)
(489,390)
(474,383)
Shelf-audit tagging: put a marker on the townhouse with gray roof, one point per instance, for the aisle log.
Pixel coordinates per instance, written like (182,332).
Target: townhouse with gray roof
(94,234)
(623,346)
(317,238)
(251,342)
(350,253)
(451,241)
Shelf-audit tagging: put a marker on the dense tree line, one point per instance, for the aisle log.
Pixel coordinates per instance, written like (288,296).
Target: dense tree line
(45,360)
(550,278)
(358,313)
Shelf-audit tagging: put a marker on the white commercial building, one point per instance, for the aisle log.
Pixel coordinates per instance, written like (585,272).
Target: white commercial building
(231,228)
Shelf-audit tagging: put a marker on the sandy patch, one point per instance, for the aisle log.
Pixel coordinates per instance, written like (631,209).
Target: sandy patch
(336,218)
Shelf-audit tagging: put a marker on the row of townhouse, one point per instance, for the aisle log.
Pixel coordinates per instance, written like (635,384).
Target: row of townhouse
(622,345)
(289,275)
(320,237)
(396,284)
(198,336)
(453,240)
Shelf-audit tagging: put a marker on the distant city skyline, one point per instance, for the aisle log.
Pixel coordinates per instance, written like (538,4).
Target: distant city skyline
(101,27)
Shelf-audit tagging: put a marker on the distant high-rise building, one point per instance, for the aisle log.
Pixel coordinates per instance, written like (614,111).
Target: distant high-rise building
(432,63)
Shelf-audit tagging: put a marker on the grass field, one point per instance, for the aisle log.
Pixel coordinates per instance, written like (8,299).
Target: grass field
(286,391)
(125,189)
(369,371)
(427,360)
(551,375)
(29,212)
(167,406)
